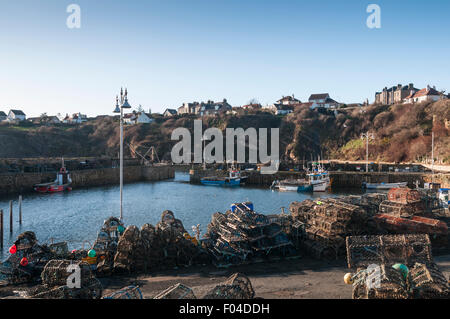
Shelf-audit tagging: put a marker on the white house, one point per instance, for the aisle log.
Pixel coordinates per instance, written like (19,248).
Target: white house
(170,112)
(288,100)
(322,100)
(280,109)
(78,118)
(427,94)
(137,118)
(129,118)
(3,116)
(143,117)
(16,116)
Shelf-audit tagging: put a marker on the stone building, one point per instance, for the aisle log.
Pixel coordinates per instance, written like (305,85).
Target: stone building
(395,94)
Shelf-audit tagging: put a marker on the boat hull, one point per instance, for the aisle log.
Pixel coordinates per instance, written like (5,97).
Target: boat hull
(53,188)
(385,186)
(320,187)
(233,182)
(295,188)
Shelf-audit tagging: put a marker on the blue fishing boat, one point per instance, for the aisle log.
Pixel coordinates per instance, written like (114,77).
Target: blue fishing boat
(234,179)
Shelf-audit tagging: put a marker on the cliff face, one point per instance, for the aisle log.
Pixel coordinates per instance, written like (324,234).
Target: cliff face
(402,133)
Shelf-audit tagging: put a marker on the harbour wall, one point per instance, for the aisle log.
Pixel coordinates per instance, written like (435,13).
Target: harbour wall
(20,183)
(339,179)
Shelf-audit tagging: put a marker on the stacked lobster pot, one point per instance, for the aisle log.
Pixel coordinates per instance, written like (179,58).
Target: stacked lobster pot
(326,223)
(178,291)
(105,245)
(130,292)
(164,246)
(428,282)
(67,279)
(394,267)
(370,202)
(28,258)
(243,236)
(403,202)
(237,286)
(405,213)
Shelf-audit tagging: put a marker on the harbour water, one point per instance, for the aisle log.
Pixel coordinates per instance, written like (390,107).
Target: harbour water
(77,216)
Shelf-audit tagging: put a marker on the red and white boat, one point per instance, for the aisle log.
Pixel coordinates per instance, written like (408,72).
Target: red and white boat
(62,183)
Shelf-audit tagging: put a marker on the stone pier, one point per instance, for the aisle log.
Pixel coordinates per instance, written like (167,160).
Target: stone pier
(17,183)
(339,179)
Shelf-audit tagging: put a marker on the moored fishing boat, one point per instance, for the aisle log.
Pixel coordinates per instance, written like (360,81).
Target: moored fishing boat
(318,181)
(292,185)
(62,183)
(233,179)
(384,185)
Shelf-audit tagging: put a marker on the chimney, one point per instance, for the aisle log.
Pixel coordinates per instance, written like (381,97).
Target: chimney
(411,86)
(428,88)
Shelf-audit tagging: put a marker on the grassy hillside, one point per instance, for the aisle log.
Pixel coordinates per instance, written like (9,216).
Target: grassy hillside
(403,133)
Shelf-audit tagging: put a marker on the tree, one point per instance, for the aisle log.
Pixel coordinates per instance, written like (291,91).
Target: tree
(253,101)
(43,117)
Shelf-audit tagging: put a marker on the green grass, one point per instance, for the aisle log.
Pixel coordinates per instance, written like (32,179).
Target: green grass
(353,144)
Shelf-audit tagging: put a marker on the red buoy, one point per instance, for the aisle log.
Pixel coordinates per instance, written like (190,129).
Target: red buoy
(24,262)
(13,249)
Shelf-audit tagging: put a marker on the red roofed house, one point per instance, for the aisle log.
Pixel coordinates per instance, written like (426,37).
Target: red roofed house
(427,94)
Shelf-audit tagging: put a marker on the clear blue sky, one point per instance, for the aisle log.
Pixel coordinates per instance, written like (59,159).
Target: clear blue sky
(170,52)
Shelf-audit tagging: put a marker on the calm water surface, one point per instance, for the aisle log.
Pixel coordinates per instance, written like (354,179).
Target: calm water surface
(78,215)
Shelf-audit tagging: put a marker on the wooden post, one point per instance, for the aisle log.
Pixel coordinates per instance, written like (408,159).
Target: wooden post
(11,216)
(20,209)
(1,228)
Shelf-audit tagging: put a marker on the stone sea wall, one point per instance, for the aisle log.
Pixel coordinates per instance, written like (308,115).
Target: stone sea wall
(339,179)
(17,183)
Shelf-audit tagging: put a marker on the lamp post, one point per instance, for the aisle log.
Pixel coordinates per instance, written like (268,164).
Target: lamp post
(366,136)
(120,105)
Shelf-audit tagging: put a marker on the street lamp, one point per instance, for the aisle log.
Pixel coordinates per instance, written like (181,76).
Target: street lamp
(366,136)
(120,105)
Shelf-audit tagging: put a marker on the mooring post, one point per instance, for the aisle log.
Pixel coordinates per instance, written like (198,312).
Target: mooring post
(1,228)
(20,209)
(11,216)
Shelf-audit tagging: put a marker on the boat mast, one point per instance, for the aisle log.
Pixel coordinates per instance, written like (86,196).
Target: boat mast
(432,157)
